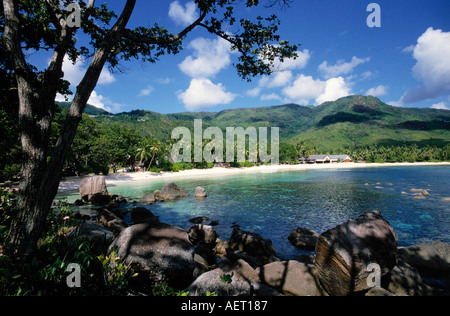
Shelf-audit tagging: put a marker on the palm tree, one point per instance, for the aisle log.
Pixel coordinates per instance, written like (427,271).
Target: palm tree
(143,152)
(154,149)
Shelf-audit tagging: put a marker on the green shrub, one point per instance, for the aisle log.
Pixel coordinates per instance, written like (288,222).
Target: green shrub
(6,211)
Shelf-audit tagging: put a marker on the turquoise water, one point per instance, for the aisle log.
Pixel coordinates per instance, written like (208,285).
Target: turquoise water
(275,204)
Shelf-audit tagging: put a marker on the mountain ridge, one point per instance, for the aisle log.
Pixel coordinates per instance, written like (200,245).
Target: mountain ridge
(351,121)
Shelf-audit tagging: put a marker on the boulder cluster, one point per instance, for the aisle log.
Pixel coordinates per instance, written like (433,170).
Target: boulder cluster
(358,257)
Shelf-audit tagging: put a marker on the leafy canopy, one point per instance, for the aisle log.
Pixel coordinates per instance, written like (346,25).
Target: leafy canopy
(257,41)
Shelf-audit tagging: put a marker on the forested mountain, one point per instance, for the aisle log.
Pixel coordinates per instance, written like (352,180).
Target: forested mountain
(353,121)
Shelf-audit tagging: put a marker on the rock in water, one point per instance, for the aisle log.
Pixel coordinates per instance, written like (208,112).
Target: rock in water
(171,191)
(160,252)
(200,193)
(93,189)
(202,234)
(148,199)
(141,215)
(199,220)
(256,249)
(345,254)
(428,256)
(304,239)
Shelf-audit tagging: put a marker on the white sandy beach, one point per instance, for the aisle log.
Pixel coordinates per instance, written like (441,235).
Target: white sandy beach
(72,183)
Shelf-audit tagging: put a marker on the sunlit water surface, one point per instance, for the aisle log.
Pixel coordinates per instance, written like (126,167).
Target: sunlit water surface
(274,204)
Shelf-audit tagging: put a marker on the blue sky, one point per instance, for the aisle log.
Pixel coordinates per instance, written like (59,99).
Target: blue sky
(405,62)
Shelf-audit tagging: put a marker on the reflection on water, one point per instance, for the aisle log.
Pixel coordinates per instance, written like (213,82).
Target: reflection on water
(275,204)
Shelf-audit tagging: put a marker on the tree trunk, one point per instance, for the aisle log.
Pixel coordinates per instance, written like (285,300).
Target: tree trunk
(39,178)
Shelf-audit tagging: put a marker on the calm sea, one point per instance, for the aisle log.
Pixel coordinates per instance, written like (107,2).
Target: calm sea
(273,205)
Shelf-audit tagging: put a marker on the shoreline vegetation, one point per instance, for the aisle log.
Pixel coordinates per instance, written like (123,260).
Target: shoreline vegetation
(72,183)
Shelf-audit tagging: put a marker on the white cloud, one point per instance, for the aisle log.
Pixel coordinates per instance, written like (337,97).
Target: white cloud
(335,88)
(106,77)
(306,88)
(203,93)
(432,68)
(210,57)
(440,106)
(366,75)
(270,97)
(290,63)
(377,91)
(408,50)
(98,101)
(74,73)
(183,15)
(164,80)
(278,79)
(254,92)
(341,67)
(61,98)
(147,91)
(282,75)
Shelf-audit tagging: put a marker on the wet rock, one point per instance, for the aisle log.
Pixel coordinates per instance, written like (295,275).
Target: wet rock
(199,220)
(171,191)
(148,199)
(200,193)
(420,192)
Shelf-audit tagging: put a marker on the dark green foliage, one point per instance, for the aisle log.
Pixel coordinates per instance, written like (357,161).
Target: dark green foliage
(353,121)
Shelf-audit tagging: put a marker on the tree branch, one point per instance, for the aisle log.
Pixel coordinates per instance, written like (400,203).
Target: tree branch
(155,40)
(55,14)
(11,39)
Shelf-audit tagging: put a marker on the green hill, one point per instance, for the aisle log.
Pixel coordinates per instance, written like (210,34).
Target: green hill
(353,121)
(90,109)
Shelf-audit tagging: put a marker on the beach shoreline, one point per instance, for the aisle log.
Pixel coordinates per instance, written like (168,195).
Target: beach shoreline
(72,183)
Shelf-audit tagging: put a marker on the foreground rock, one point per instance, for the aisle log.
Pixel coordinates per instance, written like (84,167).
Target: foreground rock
(93,190)
(95,234)
(406,280)
(427,256)
(141,215)
(159,252)
(251,247)
(303,239)
(203,237)
(345,253)
(225,281)
(290,277)
(171,191)
(111,221)
(202,234)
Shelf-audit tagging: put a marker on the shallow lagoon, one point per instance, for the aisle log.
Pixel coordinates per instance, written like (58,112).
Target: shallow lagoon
(274,204)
